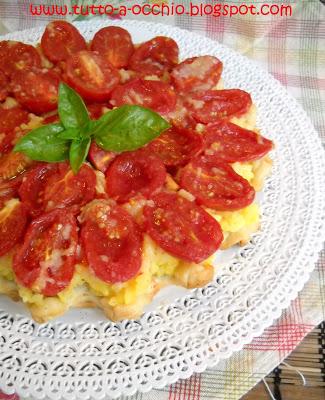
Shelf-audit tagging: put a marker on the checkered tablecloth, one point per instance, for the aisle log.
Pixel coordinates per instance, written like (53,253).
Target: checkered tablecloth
(293,50)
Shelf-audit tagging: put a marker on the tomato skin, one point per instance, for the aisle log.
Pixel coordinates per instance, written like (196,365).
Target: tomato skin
(216,185)
(196,74)
(54,233)
(10,120)
(213,105)
(231,143)
(100,159)
(36,89)
(60,40)
(134,173)
(181,227)
(156,95)
(155,56)
(176,146)
(12,226)
(111,240)
(16,56)
(91,75)
(115,44)
(4,83)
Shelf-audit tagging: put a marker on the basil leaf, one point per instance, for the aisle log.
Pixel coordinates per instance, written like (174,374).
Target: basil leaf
(43,144)
(69,134)
(78,153)
(72,110)
(128,128)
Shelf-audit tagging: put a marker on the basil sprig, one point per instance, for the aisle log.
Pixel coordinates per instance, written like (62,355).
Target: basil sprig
(125,128)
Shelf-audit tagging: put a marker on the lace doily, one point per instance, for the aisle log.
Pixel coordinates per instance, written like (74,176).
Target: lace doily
(84,356)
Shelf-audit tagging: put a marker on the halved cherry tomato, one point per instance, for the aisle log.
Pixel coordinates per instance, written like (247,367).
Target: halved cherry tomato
(17,56)
(13,164)
(115,44)
(111,240)
(10,119)
(9,189)
(4,84)
(96,110)
(156,56)
(132,173)
(45,261)
(182,228)
(213,105)
(231,143)
(91,75)
(176,146)
(156,95)
(216,185)
(197,74)
(60,40)
(100,159)
(36,89)
(13,221)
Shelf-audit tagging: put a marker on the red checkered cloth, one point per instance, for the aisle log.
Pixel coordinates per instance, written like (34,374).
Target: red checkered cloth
(292,49)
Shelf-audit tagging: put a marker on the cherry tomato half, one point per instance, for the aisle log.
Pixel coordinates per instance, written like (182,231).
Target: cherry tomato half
(10,120)
(100,159)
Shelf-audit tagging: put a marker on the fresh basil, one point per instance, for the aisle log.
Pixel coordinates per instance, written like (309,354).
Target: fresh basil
(69,134)
(78,153)
(72,110)
(43,144)
(128,128)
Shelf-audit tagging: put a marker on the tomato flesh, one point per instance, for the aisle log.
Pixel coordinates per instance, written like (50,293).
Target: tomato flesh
(112,242)
(182,228)
(115,44)
(134,173)
(4,83)
(100,159)
(231,143)
(60,40)
(10,121)
(91,75)
(216,185)
(46,259)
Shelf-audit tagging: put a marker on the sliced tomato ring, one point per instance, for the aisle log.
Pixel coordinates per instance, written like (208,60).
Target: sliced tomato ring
(36,89)
(60,40)
(216,185)
(231,143)
(17,56)
(134,173)
(100,159)
(156,95)
(182,228)
(10,121)
(213,105)
(176,146)
(156,56)
(46,259)
(112,241)
(115,44)
(91,75)
(197,74)
(4,84)
(13,221)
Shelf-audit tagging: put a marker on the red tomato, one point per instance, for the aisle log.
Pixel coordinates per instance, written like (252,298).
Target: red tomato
(210,106)
(51,119)
(156,95)
(176,146)
(45,261)
(216,185)
(197,74)
(60,40)
(9,189)
(96,110)
(231,143)
(13,164)
(36,89)
(115,44)
(10,119)
(13,221)
(182,228)
(4,83)
(132,173)
(156,56)
(100,159)
(111,241)
(91,75)
(17,56)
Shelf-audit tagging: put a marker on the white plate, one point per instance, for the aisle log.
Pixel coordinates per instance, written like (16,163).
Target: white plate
(82,355)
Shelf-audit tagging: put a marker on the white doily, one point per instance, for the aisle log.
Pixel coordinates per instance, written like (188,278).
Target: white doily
(84,356)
